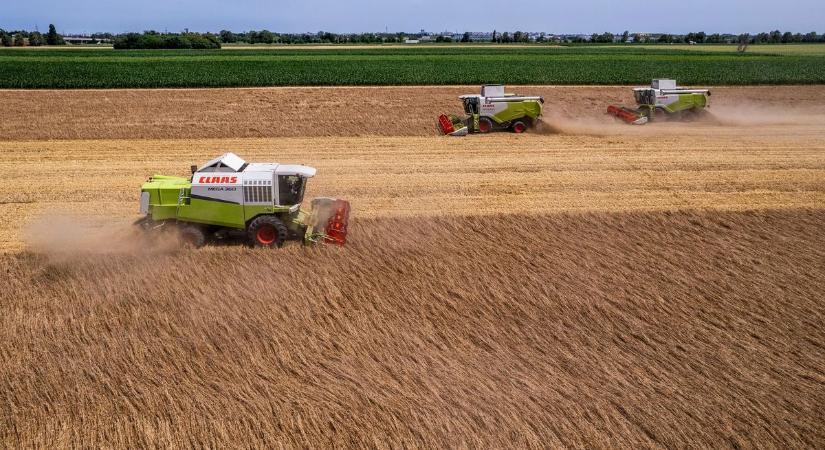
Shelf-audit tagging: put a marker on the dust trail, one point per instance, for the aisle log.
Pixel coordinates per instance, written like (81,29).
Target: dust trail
(752,114)
(719,117)
(589,126)
(66,236)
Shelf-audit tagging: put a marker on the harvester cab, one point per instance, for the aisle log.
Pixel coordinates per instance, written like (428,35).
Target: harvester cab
(493,110)
(663,100)
(257,201)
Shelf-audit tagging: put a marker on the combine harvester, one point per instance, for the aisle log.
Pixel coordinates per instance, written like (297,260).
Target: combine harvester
(663,100)
(493,110)
(229,197)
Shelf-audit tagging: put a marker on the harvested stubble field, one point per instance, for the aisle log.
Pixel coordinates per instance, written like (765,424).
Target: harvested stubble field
(582,330)
(603,286)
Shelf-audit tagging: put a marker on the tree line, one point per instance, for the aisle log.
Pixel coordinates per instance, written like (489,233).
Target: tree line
(187,40)
(322,37)
(772,37)
(20,38)
(269,37)
(155,40)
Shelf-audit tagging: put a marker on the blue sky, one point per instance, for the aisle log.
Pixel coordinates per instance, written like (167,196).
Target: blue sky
(582,16)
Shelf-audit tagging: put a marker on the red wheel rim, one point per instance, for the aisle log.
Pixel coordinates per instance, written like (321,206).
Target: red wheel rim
(519,127)
(266,234)
(484,126)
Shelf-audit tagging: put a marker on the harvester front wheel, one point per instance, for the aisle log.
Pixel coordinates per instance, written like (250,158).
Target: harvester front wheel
(485,125)
(192,236)
(267,231)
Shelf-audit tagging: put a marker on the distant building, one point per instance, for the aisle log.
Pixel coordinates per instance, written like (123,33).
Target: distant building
(480,36)
(85,40)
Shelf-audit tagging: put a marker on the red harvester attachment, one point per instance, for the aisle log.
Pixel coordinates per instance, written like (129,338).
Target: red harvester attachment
(328,221)
(628,115)
(337,223)
(445,124)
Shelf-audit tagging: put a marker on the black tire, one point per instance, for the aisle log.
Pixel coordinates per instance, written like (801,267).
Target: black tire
(485,125)
(267,231)
(192,236)
(519,126)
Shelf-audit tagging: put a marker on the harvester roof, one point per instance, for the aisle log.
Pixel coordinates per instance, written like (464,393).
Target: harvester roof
(282,169)
(230,162)
(229,159)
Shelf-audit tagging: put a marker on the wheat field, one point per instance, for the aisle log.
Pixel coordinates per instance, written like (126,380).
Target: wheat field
(576,330)
(586,285)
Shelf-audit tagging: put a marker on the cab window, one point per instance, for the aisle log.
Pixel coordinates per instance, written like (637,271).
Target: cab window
(290,189)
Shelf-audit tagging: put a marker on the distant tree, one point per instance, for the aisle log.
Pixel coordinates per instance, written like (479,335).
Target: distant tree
(604,38)
(36,39)
(505,38)
(809,37)
(665,38)
(776,36)
(495,36)
(787,37)
(465,37)
(542,37)
(52,38)
(520,36)
(744,41)
(264,37)
(714,38)
(625,35)
(228,37)
(19,39)
(5,39)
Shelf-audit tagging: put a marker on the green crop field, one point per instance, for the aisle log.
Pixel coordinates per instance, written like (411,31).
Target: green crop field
(105,68)
(776,49)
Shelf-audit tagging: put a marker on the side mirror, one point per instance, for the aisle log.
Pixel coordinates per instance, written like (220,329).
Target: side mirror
(193,169)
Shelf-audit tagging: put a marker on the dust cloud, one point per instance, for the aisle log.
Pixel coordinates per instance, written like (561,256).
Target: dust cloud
(752,114)
(66,236)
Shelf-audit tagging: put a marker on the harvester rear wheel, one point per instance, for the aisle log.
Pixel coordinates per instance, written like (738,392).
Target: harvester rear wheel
(518,127)
(267,231)
(485,125)
(192,236)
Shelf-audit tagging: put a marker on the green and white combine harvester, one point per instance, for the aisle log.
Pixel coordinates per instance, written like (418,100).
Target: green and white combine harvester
(493,110)
(228,197)
(663,100)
